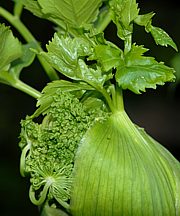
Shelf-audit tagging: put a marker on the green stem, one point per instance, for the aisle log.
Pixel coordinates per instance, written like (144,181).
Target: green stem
(26,34)
(23,160)
(27,89)
(18,8)
(108,100)
(43,194)
(119,99)
(127,44)
(104,22)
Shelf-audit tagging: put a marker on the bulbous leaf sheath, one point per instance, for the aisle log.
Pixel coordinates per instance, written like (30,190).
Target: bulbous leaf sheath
(122,171)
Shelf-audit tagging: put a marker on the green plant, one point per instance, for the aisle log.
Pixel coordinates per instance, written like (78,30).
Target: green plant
(86,157)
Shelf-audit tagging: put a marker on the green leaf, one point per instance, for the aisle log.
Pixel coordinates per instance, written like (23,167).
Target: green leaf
(25,60)
(120,170)
(67,56)
(63,54)
(123,13)
(162,38)
(10,47)
(10,76)
(65,85)
(34,7)
(75,13)
(92,76)
(145,19)
(159,35)
(140,72)
(125,10)
(108,56)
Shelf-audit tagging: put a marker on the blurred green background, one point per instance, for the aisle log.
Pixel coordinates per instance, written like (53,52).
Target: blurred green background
(158,111)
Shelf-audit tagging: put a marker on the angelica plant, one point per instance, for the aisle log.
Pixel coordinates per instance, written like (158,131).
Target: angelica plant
(82,153)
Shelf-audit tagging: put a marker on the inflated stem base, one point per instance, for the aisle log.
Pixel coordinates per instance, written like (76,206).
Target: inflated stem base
(122,171)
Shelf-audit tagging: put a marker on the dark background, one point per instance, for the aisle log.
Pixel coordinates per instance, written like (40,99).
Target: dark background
(158,111)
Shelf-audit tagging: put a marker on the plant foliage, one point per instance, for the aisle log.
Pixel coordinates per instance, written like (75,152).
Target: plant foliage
(82,153)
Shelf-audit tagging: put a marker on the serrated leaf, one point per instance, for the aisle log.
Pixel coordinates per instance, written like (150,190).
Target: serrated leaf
(124,12)
(66,55)
(140,72)
(129,11)
(108,56)
(63,54)
(10,47)
(128,173)
(144,19)
(75,13)
(162,38)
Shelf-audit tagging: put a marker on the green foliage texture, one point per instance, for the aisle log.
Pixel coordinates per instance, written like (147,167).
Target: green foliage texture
(80,150)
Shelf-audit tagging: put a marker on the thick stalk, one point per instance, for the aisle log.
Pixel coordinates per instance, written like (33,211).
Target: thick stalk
(26,34)
(108,100)
(119,99)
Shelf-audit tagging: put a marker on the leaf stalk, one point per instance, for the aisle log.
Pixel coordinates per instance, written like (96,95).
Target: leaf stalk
(127,44)
(26,89)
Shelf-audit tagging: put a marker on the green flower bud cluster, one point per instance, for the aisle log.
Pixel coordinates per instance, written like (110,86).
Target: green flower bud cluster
(49,147)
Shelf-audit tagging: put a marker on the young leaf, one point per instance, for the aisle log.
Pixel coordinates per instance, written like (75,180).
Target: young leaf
(161,37)
(124,12)
(75,13)
(140,72)
(67,56)
(63,54)
(10,47)
(144,19)
(108,56)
